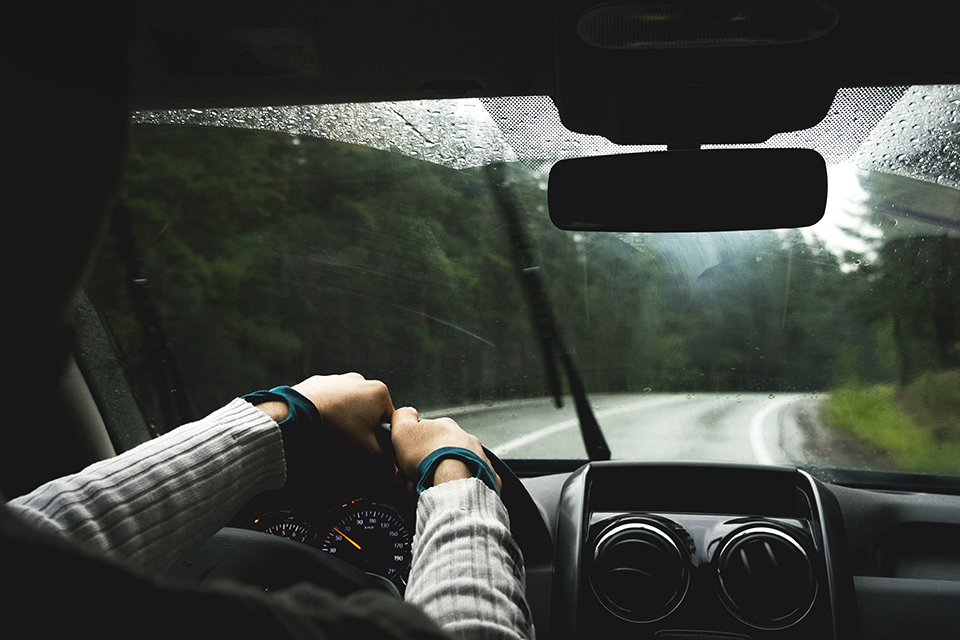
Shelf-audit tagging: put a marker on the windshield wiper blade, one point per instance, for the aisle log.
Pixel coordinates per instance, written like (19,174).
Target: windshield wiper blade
(544,323)
(176,407)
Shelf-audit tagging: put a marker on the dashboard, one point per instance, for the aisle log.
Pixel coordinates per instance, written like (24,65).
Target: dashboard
(742,552)
(674,551)
(372,531)
(368,534)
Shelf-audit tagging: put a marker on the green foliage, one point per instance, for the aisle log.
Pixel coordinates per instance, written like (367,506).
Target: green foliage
(913,433)
(934,400)
(271,258)
(908,291)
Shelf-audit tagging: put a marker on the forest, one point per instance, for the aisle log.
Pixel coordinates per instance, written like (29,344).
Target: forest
(252,258)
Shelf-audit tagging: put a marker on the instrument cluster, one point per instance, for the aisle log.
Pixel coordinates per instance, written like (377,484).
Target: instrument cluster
(372,534)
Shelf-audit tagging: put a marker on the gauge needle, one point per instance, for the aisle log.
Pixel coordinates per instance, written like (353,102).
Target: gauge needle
(346,537)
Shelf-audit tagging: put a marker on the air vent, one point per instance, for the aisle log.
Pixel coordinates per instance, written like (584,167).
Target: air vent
(766,578)
(639,573)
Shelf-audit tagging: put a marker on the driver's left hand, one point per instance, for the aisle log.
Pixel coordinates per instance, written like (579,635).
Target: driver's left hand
(351,407)
(346,447)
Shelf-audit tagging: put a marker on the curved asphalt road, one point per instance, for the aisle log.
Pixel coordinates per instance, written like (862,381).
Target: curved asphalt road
(758,428)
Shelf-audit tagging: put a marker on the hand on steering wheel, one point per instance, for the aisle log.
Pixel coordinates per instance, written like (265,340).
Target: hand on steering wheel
(414,439)
(351,407)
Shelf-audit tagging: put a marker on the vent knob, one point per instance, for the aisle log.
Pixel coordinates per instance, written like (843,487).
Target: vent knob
(766,577)
(639,571)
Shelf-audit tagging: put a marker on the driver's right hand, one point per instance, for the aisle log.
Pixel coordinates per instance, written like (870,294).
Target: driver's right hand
(414,439)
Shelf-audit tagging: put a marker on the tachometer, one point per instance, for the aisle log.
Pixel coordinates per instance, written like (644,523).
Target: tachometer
(285,525)
(368,535)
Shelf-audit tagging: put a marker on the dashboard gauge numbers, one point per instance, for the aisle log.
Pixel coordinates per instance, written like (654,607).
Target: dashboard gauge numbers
(285,525)
(368,535)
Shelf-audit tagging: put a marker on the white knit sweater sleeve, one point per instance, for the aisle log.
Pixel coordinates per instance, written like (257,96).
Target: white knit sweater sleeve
(467,572)
(151,506)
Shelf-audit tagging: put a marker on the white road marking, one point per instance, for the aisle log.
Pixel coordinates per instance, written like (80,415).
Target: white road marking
(449,412)
(756,429)
(550,430)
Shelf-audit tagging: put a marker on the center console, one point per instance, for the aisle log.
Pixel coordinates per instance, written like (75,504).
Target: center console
(703,551)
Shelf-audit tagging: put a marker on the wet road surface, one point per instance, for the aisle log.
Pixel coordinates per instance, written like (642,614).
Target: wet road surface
(754,428)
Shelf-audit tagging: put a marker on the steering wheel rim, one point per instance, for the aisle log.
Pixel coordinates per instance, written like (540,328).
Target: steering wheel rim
(271,562)
(526,522)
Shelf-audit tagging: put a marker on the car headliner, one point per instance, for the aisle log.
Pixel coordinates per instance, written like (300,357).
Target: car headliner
(221,54)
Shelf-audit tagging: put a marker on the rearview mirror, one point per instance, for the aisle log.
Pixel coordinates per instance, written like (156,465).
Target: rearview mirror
(669,191)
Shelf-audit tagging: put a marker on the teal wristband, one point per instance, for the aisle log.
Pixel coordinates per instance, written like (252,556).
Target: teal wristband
(300,411)
(476,464)
(301,431)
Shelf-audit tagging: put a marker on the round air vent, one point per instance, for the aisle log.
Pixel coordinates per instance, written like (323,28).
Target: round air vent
(639,571)
(765,577)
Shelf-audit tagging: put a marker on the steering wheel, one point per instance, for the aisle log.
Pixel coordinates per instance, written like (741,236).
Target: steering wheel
(271,562)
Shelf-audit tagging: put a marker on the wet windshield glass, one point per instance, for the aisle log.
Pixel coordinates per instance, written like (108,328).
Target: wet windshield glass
(369,238)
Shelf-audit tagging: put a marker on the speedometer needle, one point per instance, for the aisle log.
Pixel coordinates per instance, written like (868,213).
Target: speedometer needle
(346,537)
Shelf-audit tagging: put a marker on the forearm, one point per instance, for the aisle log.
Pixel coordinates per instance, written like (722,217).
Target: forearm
(467,571)
(154,504)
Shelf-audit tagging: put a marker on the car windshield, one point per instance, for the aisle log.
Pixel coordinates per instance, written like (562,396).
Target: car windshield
(258,246)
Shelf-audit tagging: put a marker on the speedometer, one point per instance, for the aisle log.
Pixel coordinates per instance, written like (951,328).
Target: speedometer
(368,535)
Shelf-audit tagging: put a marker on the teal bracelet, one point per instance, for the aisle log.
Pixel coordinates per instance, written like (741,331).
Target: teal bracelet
(301,412)
(476,464)
(301,431)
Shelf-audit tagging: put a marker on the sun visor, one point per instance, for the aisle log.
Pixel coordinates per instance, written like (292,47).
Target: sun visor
(689,73)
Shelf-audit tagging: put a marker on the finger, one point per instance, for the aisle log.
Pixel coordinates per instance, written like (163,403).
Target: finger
(405,437)
(386,402)
(404,418)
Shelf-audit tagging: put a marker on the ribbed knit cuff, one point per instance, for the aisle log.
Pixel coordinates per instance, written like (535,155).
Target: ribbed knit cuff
(152,505)
(468,494)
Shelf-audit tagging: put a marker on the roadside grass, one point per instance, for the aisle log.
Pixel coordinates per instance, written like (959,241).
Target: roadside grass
(918,425)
